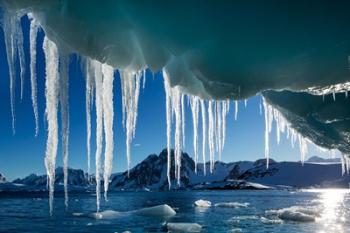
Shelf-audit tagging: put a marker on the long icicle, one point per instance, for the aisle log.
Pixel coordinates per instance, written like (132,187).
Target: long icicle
(204,134)
(89,71)
(168,123)
(9,27)
(99,128)
(211,134)
(20,50)
(176,97)
(51,94)
(108,116)
(33,31)
(64,103)
(130,85)
(194,102)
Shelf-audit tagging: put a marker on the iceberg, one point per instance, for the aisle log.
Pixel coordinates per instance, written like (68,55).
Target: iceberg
(183,227)
(232,205)
(202,203)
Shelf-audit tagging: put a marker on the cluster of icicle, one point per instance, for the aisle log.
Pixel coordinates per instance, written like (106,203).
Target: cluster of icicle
(282,126)
(212,111)
(99,89)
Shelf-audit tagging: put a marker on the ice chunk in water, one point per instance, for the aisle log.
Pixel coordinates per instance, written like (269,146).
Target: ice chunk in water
(108,214)
(183,227)
(296,216)
(202,203)
(232,205)
(156,211)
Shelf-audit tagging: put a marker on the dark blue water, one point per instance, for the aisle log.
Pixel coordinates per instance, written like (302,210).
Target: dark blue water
(30,213)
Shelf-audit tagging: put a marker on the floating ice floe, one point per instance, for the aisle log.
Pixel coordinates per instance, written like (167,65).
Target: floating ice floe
(271,221)
(232,205)
(202,203)
(155,211)
(183,227)
(296,214)
(235,230)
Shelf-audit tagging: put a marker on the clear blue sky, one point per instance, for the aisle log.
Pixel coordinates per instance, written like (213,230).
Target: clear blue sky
(23,153)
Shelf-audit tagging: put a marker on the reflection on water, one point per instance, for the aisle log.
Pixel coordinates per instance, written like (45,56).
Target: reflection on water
(332,208)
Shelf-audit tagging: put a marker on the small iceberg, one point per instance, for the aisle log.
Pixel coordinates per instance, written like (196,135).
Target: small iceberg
(296,214)
(155,211)
(271,221)
(235,230)
(183,227)
(107,214)
(232,205)
(202,203)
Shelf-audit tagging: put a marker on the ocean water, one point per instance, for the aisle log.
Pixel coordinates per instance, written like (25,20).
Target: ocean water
(30,212)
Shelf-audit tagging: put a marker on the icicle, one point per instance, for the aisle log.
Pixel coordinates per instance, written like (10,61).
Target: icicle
(144,79)
(346,94)
(303,147)
(236,109)
(194,103)
(211,136)
(333,93)
(168,123)
(245,103)
(88,99)
(177,107)
(260,107)
(204,134)
(33,31)
(108,116)
(51,94)
(19,48)
(130,85)
(268,125)
(345,162)
(183,118)
(9,26)
(218,133)
(225,110)
(99,127)
(64,103)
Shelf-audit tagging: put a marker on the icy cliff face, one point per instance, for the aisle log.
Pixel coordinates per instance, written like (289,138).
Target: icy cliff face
(325,120)
(232,49)
(2,178)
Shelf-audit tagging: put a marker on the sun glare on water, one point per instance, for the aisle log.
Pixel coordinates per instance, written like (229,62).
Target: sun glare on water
(332,209)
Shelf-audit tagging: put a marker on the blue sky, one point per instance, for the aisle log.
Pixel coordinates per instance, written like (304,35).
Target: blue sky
(23,153)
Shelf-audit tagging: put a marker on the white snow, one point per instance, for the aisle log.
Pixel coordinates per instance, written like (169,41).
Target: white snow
(202,203)
(183,227)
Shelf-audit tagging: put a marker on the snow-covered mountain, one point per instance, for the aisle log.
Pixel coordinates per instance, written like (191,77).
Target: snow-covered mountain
(75,177)
(151,174)
(297,175)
